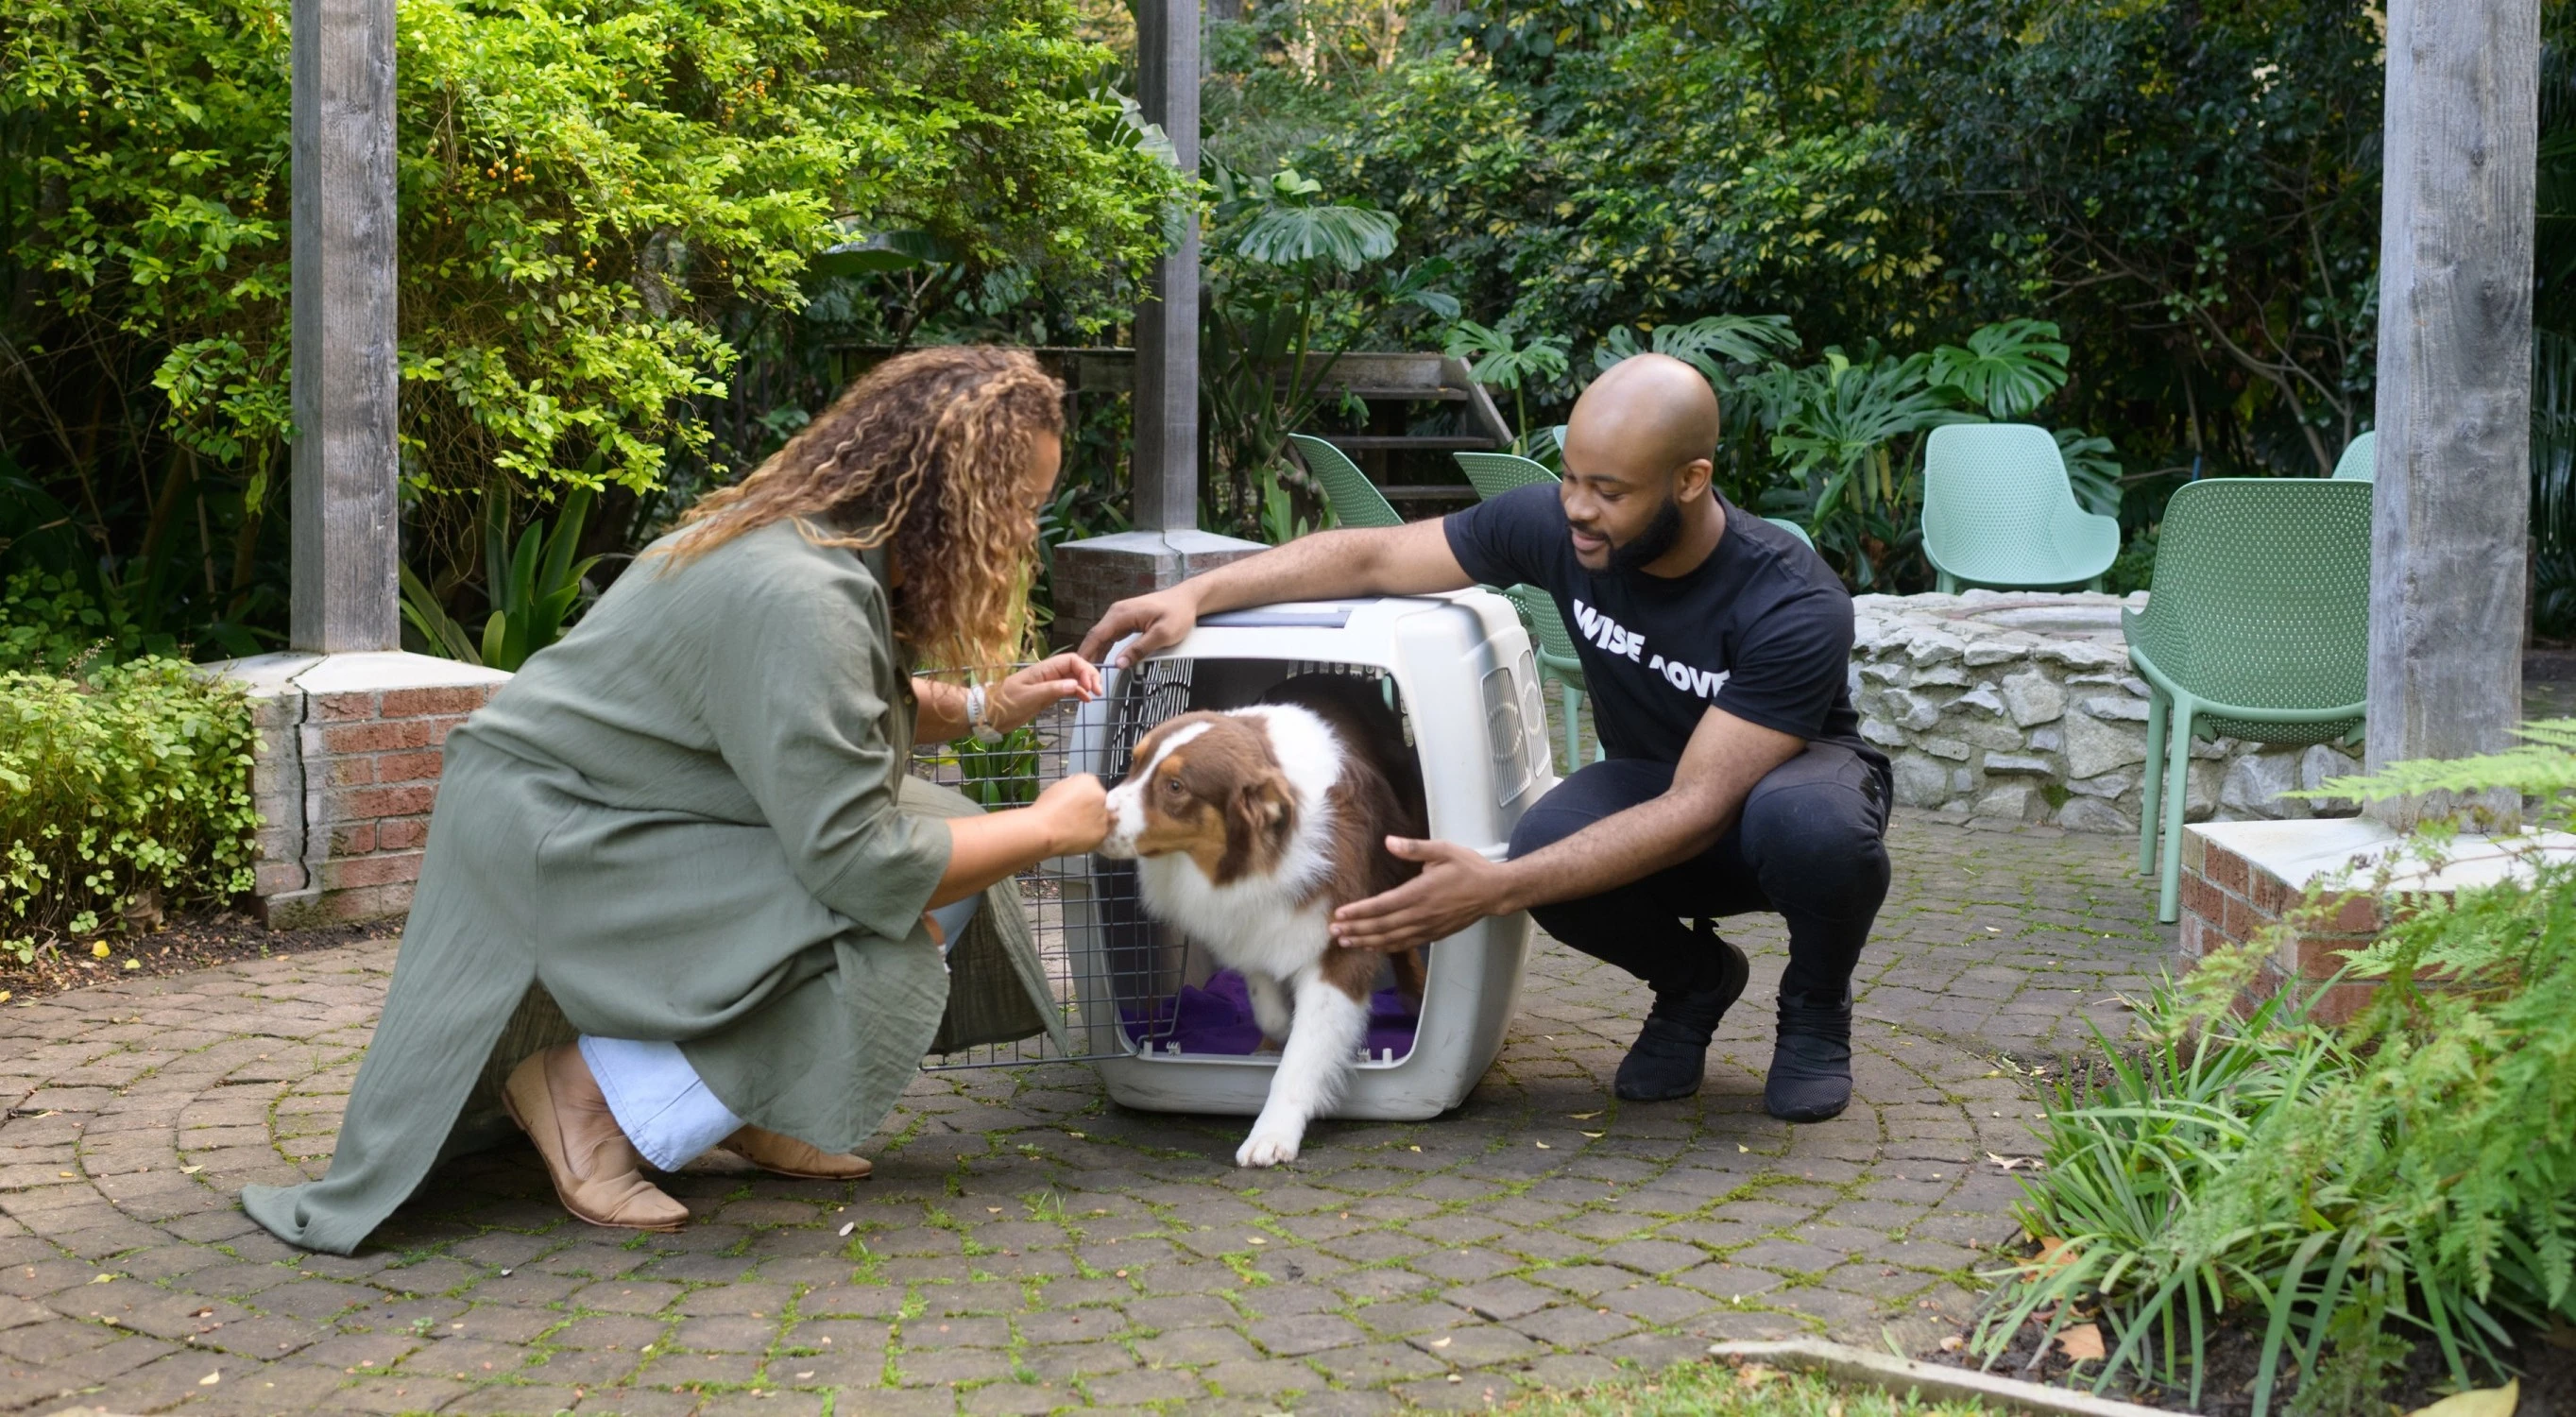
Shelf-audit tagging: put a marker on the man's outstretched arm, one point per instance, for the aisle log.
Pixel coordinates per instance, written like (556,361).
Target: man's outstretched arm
(1414,559)
(1725,757)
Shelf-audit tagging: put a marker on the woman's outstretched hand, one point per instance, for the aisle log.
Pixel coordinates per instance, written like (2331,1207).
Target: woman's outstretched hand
(1076,814)
(1018,699)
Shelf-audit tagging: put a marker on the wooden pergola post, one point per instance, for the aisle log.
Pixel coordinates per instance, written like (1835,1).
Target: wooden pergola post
(2453,505)
(339,776)
(347,541)
(1167,545)
(1166,467)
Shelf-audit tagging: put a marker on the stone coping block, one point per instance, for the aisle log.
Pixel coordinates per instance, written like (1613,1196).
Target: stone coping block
(345,772)
(2022,705)
(2240,879)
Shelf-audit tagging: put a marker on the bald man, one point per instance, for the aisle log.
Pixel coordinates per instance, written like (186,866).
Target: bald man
(1714,645)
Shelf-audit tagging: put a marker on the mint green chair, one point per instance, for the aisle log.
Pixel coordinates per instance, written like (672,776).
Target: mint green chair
(1793,529)
(2360,460)
(1999,511)
(2257,627)
(1355,500)
(1497,473)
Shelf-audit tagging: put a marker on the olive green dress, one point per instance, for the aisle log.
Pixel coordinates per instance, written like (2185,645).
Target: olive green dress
(691,819)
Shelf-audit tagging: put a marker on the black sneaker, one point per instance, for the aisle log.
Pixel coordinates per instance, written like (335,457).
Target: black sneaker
(1810,1079)
(1670,1056)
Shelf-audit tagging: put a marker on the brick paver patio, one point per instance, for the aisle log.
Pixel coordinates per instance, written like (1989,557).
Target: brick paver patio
(1026,1247)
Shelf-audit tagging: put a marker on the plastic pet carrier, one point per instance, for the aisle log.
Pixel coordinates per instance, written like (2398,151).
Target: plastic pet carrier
(1171,1032)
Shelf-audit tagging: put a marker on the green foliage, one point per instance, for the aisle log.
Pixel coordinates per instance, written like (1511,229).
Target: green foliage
(1287,292)
(531,591)
(1499,359)
(2007,369)
(120,793)
(49,624)
(596,198)
(2411,1175)
(998,774)
(2189,193)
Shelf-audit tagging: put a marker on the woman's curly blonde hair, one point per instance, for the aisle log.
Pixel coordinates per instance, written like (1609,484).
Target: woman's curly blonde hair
(924,455)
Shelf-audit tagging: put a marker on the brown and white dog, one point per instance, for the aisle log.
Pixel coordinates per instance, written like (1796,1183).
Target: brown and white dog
(1249,828)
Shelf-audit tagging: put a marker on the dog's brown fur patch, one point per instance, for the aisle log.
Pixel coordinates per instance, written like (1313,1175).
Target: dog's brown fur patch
(1379,794)
(1222,797)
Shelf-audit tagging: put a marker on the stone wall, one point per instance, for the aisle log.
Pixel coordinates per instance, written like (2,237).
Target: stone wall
(2023,706)
(345,772)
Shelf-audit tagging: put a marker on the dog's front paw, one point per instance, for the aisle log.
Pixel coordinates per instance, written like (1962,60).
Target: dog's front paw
(1267,1148)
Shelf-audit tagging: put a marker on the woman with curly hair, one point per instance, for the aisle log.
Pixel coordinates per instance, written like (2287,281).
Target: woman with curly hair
(683,845)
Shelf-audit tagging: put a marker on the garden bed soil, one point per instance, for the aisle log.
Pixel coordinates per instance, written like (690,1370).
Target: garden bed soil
(2547,1364)
(183,945)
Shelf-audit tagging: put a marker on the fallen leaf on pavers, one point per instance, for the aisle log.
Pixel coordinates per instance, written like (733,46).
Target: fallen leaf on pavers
(2014,1163)
(847,1227)
(1596,1136)
(1953,1344)
(2081,1344)
(2485,1402)
(210,1379)
(1578,1116)
(1543,1146)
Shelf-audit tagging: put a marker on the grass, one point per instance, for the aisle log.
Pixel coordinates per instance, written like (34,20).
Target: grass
(1718,1390)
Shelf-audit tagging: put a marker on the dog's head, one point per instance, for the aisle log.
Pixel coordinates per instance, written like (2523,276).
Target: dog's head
(1209,785)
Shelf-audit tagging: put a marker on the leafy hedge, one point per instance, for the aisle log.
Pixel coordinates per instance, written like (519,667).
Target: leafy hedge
(120,792)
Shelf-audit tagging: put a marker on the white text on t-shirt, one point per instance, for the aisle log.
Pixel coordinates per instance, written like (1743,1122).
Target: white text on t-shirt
(1616,639)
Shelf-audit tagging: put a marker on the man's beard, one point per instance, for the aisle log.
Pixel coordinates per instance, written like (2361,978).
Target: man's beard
(1650,545)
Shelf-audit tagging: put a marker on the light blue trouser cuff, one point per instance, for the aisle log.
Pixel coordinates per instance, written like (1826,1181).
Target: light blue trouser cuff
(659,1101)
(662,1104)
(952,919)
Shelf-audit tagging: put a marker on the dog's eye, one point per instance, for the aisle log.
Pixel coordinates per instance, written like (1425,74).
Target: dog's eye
(1172,786)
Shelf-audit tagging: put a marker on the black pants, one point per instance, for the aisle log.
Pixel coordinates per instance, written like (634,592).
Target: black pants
(1810,844)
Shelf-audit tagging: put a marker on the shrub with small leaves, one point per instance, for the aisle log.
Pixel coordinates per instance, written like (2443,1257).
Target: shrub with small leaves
(48,624)
(121,793)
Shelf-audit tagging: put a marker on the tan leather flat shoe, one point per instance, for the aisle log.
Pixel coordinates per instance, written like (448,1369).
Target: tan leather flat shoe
(784,1155)
(598,1175)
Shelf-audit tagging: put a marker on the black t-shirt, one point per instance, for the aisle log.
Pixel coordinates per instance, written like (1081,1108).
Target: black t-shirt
(1761,629)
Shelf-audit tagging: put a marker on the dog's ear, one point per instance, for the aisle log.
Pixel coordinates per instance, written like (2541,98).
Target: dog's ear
(1257,823)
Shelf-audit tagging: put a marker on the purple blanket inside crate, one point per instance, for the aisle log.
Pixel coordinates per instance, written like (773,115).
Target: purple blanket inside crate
(1218,1019)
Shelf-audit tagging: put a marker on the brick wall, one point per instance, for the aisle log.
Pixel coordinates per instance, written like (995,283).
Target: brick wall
(2324,886)
(346,773)
(2230,898)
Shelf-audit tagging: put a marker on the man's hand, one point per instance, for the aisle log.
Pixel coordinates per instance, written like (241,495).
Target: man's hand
(1159,620)
(1457,888)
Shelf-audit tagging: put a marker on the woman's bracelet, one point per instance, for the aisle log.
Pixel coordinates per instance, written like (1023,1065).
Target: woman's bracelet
(976,728)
